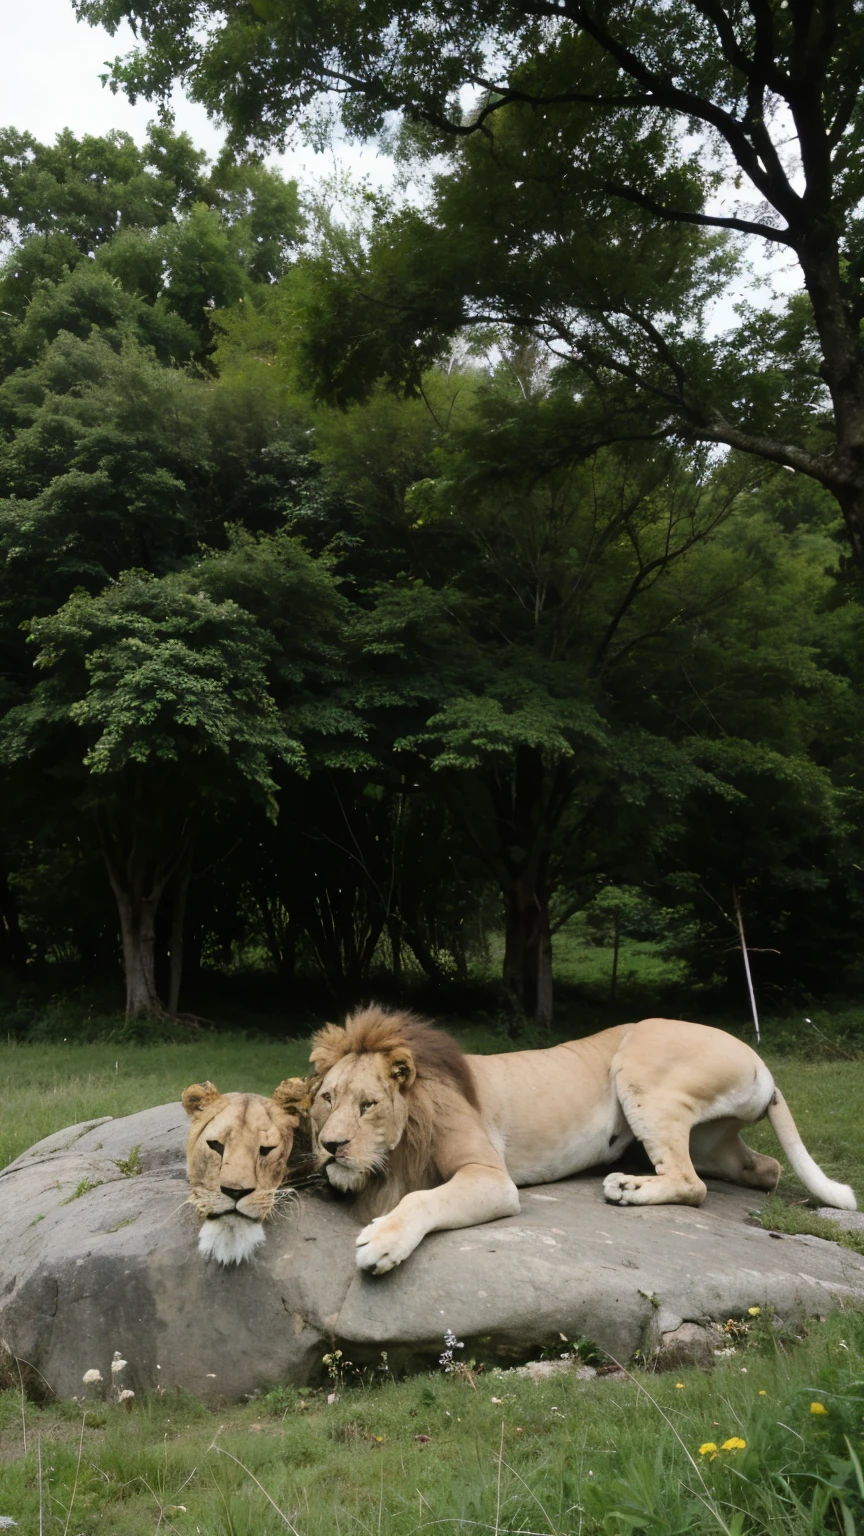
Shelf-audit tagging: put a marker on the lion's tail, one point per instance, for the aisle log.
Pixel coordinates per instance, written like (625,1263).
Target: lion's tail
(810,1174)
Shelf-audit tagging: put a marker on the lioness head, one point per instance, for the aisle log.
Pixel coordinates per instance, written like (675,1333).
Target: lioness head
(236,1155)
(360,1110)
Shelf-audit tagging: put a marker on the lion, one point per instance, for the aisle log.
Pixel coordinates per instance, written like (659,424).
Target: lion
(237,1158)
(425,1138)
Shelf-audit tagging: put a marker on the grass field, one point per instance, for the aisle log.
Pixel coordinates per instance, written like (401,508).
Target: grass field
(494,1453)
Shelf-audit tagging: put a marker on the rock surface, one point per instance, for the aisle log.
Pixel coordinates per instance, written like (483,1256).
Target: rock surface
(850,1221)
(96,1256)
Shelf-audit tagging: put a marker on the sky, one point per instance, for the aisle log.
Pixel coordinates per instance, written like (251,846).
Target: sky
(49,80)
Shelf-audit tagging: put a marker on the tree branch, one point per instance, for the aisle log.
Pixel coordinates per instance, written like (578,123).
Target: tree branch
(710,220)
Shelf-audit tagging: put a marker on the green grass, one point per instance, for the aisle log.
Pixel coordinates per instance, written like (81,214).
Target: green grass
(44,1087)
(779,1216)
(642,963)
(562,1458)
(826,1099)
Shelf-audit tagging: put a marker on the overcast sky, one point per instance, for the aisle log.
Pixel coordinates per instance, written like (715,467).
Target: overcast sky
(49,78)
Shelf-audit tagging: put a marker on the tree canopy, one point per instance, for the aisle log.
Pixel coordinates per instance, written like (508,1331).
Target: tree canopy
(744,120)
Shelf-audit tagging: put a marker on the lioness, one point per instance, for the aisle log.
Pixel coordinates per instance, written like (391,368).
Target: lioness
(237,1155)
(426,1138)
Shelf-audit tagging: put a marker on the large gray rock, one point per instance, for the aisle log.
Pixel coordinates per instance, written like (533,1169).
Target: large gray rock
(95,1257)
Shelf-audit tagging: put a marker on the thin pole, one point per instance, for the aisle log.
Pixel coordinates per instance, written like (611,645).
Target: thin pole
(747,964)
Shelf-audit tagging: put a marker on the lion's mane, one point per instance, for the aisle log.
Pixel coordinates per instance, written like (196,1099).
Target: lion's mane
(442,1072)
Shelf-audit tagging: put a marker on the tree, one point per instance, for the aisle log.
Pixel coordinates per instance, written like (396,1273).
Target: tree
(513,593)
(768,690)
(156,709)
(88,217)
(741,77)
(112,459)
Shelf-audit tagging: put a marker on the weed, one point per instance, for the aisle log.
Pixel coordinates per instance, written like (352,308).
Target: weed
(580,1348)
(130,1166)
(84,1187)
(128,1221)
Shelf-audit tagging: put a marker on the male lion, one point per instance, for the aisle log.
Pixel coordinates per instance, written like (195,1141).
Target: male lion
(427,1138)
(237,1156)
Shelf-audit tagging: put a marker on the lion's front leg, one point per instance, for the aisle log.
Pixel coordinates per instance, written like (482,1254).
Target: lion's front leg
(472,1196)
(389,1239)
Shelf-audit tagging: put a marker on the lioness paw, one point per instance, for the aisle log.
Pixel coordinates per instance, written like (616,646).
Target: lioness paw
(382,1245)
(620,1189)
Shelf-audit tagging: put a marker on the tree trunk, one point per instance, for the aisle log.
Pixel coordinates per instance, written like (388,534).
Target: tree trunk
(13,945)
(178,921)
(527,970)
(138,931)
(141,861)
(422,952)
(851,501)
(394,934)
(616,944)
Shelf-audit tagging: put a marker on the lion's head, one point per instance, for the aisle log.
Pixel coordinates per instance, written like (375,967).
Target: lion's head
(375,1110)
(237,1155)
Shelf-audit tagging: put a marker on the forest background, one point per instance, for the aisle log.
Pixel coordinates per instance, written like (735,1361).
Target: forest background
(428,594)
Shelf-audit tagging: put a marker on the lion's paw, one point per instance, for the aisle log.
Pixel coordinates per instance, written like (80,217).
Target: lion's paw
(621,1188)
(383,1244)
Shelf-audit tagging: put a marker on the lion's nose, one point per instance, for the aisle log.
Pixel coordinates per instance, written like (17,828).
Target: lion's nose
(333,1146)
(235,1194)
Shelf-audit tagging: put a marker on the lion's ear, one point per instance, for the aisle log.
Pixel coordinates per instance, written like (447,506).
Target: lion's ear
(198,1096)
(292,1096)
(401,1067)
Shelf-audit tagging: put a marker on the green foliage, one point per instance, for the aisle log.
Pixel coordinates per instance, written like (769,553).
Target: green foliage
(154,674)
(169,235)
(523,647)
(580,202)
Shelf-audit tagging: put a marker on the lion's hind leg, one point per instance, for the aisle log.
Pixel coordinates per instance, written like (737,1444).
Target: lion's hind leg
(664,1130)
(718,1151)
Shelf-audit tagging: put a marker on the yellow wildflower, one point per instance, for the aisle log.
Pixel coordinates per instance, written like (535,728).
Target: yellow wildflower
(735,1444)
(762,1392)
(707,1447)
(753,1311)
(678,1386)
(818,1408)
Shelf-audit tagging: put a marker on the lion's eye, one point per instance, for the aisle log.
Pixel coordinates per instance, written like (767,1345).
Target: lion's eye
(369,1104)
(262,1151)
(218,1146)
(327,1097)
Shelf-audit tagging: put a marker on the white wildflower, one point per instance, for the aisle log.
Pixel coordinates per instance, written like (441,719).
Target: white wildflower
(446,1359)
(118,1364)
(91,1377)
(125,1395)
